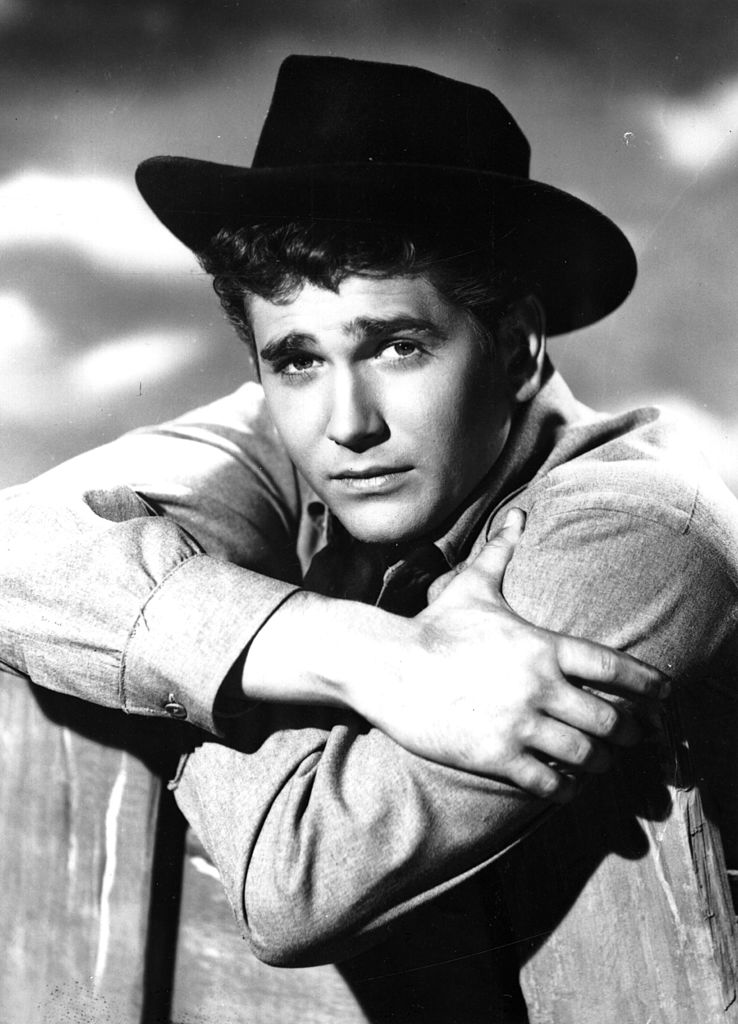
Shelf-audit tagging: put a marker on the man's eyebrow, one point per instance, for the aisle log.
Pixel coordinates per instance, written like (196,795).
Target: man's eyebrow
(376,328)
(293,343)
(365,327)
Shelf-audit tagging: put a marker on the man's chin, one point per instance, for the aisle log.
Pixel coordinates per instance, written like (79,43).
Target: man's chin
(385,529)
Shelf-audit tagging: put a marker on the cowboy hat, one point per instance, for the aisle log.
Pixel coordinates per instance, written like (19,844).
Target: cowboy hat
(384,143)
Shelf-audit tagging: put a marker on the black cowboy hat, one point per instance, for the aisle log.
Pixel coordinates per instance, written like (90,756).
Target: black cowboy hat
(385,143)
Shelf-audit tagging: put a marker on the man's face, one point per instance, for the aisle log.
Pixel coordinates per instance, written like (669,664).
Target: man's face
(386,398)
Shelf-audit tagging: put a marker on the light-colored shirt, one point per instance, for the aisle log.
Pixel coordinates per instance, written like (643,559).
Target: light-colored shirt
(136,575)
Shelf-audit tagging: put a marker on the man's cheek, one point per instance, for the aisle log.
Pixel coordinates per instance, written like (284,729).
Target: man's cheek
(296,436)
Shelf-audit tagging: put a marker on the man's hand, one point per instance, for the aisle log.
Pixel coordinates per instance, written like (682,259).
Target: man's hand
(467,682)
(493,693)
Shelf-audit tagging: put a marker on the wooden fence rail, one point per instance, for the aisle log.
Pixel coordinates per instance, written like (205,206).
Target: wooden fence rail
(112,914)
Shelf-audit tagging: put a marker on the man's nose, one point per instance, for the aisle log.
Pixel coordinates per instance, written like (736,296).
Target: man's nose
(355,421)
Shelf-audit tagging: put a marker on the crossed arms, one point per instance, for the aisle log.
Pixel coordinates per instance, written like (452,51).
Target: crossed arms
(301,804)
(324,831)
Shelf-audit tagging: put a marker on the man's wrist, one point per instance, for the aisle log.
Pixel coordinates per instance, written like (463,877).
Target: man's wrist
(318,650)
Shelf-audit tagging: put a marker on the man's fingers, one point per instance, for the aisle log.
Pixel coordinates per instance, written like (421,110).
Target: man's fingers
(611,671)
(494,557)
(591,714)
(490,562)
(555,741)
(542,780)
(438,586)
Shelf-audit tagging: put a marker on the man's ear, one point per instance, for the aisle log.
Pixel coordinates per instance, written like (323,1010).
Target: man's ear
(523,347)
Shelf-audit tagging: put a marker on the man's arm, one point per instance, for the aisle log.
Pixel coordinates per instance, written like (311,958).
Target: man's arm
(136,576)
(324,832)
(513,706)
(144,568)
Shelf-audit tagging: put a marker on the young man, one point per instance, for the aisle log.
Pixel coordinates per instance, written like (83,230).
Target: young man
(395,270)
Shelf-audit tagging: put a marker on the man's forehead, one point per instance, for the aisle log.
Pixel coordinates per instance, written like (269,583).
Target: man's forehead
(362,305)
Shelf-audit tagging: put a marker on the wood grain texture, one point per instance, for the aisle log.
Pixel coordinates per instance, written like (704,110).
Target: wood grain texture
(620,905)
(219,981)
(79,810)
(440,965)
(623,902)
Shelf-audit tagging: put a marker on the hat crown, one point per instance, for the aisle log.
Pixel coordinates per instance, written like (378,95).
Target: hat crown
(385,144)
(330,110)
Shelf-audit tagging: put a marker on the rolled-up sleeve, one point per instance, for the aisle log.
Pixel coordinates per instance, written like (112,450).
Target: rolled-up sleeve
(135,575)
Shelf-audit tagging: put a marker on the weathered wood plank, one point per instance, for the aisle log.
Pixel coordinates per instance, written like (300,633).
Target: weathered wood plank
(441,965)
(621,901)
(217,979)
(79,809)
(624,903)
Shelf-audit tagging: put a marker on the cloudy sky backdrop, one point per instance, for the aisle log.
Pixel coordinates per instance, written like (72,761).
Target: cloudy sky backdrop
(107,323)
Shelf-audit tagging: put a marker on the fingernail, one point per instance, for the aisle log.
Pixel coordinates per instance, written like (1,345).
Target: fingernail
(513,517)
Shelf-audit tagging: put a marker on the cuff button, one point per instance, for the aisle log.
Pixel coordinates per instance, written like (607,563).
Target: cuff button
(174,709)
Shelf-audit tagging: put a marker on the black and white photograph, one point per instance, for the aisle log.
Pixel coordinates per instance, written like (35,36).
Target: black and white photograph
(368,512)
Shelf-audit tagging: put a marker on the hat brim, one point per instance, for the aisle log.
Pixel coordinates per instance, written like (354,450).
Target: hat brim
(573,257)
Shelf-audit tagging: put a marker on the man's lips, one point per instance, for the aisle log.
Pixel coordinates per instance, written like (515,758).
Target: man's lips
(368,472)
(371,478)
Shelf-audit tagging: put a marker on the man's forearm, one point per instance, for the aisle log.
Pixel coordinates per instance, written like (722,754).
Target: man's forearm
(145,567)
(466,683)
(323,829)
(107,602)
(104,600)
(319,650)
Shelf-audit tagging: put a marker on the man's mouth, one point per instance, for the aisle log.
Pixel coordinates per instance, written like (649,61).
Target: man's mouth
(373,478)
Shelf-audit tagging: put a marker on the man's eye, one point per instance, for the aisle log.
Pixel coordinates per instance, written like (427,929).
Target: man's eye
(297,366)
(398,351)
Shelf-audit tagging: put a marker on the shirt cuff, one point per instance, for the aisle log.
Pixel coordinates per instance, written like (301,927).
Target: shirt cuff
(193,627)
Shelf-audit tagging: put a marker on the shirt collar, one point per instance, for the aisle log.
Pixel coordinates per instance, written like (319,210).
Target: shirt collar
(537,443)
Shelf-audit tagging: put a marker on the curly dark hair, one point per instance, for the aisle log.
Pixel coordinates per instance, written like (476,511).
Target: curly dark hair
(273,262)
